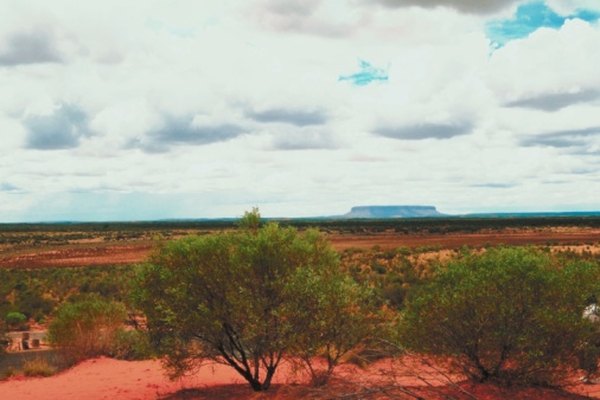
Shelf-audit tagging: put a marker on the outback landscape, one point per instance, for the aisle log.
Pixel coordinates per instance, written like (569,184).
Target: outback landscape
(299,199)
(46,266)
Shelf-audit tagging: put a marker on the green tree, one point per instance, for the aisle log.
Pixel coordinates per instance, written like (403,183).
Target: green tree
(512,314)
(86,328)
(226,296)
(250,220)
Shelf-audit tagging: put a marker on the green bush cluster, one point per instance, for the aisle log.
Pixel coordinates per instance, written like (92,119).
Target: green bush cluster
(509,314)
(250,297)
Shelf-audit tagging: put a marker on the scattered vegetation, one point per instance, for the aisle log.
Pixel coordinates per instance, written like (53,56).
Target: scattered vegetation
(253,294)
(390,273)
(37,293)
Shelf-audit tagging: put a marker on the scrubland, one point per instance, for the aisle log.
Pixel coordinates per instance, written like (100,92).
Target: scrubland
(45,270)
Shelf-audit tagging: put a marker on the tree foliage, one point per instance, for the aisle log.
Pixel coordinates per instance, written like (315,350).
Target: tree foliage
(231,297)
(511,314)
(331,315)
(16,320)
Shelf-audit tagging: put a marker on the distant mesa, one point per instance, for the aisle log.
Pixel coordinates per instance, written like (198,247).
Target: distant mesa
(380,212)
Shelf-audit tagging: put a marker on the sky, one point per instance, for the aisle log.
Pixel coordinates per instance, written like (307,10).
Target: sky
(151,109)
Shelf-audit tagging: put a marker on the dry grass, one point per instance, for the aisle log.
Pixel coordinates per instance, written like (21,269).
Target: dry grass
(38,367)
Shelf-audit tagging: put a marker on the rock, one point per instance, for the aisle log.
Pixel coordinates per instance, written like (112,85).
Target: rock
(382,212)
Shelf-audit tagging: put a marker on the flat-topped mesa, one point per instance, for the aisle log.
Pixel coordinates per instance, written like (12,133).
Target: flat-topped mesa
(376,212)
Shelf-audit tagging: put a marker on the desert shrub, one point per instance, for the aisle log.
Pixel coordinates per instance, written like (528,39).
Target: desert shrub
(38,367)
(390,278)
(510,314)
(227,296)
(131,345)
(16,320)
(330,315)
(86,328)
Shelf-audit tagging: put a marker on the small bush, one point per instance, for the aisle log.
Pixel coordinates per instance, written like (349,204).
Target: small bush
(16,320)
(38,367)
(509,314)
(86,328)
(131,345)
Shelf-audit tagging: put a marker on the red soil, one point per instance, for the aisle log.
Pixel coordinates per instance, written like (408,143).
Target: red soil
(132,252)
(105,378)
(75,257)
(457,240)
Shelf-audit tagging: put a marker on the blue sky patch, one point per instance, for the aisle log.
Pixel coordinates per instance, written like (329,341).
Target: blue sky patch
(529,18)
(367,74)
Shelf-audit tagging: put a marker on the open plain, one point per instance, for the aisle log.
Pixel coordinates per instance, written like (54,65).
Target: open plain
(25,246)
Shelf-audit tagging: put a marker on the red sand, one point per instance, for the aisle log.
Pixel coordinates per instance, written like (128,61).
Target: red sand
(105,378)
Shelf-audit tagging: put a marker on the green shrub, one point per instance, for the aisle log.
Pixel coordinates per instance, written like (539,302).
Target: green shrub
(131,345)
(510,314)
(330,315)
(38,367)
(86,328)
(16,320)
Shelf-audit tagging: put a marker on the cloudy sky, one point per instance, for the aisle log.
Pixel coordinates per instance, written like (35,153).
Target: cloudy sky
(164,109)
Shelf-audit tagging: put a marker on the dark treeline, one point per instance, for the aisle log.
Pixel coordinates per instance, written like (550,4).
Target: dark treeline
(412,225)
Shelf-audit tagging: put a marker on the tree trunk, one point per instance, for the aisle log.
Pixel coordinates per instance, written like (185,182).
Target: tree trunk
(267,383)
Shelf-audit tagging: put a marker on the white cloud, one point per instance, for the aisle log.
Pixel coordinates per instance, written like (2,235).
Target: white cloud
(468,6)
(549,62)
(213,108)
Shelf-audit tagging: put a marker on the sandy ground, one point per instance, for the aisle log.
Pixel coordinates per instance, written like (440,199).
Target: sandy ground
(105,378)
